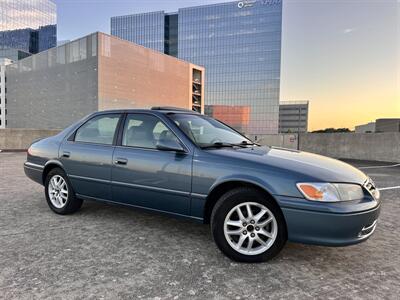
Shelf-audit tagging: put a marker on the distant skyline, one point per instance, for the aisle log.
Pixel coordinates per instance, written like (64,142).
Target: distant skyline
(343,56)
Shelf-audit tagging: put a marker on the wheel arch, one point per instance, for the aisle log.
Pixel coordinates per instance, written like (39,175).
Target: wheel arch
(50,165)
(222,187)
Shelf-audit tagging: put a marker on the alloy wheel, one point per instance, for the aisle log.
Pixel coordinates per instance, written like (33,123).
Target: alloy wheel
(58,191)
(250,228)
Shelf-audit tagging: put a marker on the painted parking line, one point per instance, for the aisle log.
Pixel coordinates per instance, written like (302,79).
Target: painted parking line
(376,167)
(389,188)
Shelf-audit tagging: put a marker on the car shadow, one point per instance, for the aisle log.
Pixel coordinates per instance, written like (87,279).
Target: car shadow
(195,234)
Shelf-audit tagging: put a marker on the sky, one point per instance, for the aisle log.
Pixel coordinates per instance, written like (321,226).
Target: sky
(341,55)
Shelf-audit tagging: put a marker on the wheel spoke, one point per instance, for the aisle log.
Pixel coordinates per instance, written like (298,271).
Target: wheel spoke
(258,216)
(234,232)
(266,233)
(241,241)
(53,183)
(250,244)
(234,223)
(62,184)
(249,212)
(260,241)
(240,214)
(265,223)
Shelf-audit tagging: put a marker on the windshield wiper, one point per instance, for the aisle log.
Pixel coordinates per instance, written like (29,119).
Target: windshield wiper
(218,145)
(243,144)
(246,143)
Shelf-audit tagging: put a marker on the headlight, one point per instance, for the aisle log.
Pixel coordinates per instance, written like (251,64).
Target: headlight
(330,192)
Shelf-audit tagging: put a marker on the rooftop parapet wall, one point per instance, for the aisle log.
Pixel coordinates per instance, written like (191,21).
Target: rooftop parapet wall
(368,146)
(360,146)
(20,139)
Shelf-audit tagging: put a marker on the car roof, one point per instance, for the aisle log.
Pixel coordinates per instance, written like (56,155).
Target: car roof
(158,109)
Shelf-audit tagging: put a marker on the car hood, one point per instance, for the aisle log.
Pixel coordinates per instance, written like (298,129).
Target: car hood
(309,166)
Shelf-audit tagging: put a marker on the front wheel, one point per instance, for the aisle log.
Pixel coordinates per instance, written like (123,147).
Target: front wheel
(59,193)
(247,227)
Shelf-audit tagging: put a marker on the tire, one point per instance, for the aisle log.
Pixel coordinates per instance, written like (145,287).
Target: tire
(63,201)
(267,240)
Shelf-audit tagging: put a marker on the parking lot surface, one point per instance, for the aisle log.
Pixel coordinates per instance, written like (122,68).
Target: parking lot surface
(110,252)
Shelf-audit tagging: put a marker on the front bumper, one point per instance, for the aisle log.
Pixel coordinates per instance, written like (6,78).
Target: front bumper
(329,228)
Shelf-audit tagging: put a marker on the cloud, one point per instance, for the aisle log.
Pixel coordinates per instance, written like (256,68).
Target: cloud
(348,30)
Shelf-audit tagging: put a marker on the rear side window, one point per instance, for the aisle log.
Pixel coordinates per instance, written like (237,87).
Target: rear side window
(98,130)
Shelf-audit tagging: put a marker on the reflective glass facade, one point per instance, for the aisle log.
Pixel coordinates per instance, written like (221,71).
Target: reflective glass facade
(239,44)
(28,25)
(13,54)
(143,29)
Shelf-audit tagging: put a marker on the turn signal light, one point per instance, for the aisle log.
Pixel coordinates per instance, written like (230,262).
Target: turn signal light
(311,191)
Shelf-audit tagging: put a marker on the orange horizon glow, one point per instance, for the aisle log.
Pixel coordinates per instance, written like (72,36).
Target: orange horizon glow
(344,57)
(351,110)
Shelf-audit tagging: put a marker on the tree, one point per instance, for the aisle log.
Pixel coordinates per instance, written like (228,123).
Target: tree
(332,130)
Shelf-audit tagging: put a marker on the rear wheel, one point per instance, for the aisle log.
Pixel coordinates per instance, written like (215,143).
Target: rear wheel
(247,227)
(59,193)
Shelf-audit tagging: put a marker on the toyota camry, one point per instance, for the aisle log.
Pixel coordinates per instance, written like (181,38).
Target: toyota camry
(185,164)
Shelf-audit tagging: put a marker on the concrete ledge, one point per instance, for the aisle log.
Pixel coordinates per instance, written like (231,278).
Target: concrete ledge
(284,140)
(383,147)
(20,139)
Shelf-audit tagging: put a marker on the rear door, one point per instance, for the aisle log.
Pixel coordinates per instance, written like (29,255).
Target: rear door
(145,176)
(87,156)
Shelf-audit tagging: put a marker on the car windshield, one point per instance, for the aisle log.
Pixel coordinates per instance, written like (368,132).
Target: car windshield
(207,132)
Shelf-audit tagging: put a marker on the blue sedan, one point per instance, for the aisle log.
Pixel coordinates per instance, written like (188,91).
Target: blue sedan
(189,165)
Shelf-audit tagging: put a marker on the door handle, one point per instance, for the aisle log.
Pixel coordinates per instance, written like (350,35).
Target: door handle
(66,154)
(121,161)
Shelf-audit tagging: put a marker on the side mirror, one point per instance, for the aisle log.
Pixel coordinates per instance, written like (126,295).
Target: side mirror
(169,145)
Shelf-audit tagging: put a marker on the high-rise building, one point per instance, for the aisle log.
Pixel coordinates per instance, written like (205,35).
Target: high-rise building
(239,43)
(293,116)
(27,26)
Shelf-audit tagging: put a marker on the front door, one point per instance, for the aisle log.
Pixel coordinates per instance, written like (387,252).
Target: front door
(87,156)
(145,176)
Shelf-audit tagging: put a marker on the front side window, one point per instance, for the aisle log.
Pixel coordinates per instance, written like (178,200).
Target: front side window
(145,131)
(98,130)
(208,132)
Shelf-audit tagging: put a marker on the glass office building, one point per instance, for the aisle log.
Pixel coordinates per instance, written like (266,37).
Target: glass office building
(145,29)
(239,44)
(28,25)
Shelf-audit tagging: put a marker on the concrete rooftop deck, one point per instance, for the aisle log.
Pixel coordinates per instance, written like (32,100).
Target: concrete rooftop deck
(110,252)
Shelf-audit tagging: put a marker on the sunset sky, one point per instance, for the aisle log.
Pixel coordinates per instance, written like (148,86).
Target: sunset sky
(343,55)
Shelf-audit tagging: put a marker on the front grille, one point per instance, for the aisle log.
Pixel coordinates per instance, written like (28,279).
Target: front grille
(371,188)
